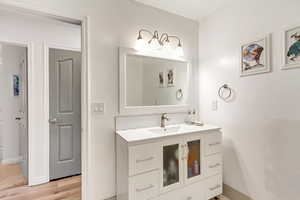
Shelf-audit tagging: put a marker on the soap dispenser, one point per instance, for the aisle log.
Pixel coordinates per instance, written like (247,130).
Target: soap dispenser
(189,117)
(193,116)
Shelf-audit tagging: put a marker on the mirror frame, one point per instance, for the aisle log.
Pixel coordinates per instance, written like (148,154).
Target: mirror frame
(142,110)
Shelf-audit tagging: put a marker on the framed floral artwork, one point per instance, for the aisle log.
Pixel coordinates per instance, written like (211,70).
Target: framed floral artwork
(161,79)
(171,75)
(255,56)
(291,48)
(16,85)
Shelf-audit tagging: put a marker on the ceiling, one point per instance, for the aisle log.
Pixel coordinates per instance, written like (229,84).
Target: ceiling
(193,9)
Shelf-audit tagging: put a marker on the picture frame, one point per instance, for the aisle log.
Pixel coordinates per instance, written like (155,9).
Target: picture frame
(255,56)
(161,79)
(16,85)
(291,48)
(171,77)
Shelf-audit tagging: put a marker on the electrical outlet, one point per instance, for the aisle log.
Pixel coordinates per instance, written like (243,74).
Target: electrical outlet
(98,108)
(214,105)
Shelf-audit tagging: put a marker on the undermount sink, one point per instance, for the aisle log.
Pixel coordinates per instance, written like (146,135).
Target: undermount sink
(166,130)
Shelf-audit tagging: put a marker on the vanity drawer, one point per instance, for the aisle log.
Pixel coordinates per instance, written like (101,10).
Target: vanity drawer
(213,164)
(144,186)
(191,192)
(143,158)
(214,186)
(213,143)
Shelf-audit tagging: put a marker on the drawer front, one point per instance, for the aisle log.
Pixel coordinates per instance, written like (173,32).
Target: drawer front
(214,186)
(213,164)
(143,158)
(144,186)
(191,192)
(213,143)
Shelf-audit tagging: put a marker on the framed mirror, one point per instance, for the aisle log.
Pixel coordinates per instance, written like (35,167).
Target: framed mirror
(151,83)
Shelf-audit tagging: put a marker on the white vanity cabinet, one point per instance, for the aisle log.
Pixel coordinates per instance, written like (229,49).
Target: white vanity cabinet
(185,166)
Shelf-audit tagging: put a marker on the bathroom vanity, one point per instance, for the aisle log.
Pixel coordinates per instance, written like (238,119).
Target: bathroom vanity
(178,162)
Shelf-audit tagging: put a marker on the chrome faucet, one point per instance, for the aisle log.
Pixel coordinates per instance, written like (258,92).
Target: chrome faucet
(163,120)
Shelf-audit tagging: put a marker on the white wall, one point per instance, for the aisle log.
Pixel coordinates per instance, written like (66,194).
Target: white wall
(38,31)
(261,126)
(10,105)
(113,23)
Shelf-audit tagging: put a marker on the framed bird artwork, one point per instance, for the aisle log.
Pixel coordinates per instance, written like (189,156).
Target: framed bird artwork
(255,56)
(291,48)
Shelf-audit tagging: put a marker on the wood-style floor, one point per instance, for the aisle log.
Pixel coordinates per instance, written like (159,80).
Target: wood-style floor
(11,176)
(63,189)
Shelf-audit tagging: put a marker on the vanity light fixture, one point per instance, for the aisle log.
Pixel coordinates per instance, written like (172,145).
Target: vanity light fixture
(158,43)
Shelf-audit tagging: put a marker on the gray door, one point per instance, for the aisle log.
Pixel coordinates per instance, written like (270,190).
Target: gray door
(65,113)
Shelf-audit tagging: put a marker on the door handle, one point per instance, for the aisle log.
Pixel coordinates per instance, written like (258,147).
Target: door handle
(53,121)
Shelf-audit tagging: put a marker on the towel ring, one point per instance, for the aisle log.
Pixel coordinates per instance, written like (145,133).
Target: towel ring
(179,94)
(221,92)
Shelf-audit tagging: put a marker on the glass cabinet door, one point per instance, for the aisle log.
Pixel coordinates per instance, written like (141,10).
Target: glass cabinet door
(171,165)
(193,158)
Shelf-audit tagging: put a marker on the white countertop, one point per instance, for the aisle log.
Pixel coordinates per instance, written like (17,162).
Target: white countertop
(135,135)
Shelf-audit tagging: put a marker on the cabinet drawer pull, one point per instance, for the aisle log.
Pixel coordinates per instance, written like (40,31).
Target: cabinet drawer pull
(145,160)
(145,188)
(214,166)
(214,188)
(214,144)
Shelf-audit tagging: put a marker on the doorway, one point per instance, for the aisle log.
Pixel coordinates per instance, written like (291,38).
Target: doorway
(64,113)
(42,30)
(13,116)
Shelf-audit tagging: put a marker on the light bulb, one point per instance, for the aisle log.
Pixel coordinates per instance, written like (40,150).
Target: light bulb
(154,44)
(140,44)
(167,47)
(179,51)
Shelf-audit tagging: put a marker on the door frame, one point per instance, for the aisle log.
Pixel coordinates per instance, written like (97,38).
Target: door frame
(29,68)
(83,21)
(85,99)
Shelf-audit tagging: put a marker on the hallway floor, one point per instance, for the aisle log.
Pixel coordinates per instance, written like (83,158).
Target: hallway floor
(13,187)
(11,176)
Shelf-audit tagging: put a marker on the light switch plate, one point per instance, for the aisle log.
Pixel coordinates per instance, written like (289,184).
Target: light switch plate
(214,105)
(98,108)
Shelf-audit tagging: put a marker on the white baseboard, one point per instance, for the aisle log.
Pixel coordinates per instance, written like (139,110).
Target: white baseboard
(112,198)
(38,180)
(233,194)
(10,161)
(1,153)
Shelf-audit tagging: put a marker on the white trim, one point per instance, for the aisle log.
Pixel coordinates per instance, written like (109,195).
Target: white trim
(142,110)
(61,47)
(30,58)
(85,99)
(11,161)
(86,94)
(285,65)
(46,112)
(39,180)
(86,147)
(30,106)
